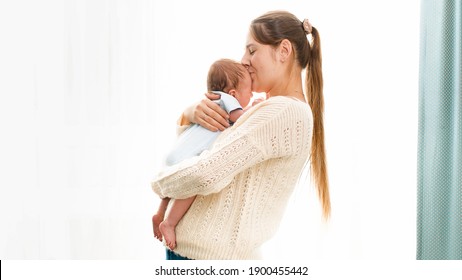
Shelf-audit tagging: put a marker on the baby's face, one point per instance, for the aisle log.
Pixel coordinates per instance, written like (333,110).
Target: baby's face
(244,90)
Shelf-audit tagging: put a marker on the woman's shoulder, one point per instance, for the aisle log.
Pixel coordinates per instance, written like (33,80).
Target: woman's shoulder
(285,100)
(282,103)
(277,109)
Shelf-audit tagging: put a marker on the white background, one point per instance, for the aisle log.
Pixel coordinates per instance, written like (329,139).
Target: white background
(90,92)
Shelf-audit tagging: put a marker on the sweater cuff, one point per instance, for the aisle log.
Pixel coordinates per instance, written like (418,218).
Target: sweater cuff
(183,121)
(156,188)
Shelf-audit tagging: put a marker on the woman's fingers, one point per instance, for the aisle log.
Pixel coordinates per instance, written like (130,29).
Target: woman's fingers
(210,115)
(212,96)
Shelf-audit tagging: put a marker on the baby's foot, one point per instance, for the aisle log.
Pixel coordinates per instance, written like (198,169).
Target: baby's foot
(168,231)
(156,220)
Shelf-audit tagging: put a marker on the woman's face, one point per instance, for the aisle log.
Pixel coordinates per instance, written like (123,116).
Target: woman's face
(260,61)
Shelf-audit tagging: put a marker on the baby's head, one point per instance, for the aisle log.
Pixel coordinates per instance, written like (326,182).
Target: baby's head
(231,77)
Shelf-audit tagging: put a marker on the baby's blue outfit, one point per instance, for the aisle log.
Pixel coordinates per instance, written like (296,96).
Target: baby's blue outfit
(195,139)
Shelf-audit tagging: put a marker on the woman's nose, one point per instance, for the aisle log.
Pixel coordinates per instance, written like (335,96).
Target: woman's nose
(245,61)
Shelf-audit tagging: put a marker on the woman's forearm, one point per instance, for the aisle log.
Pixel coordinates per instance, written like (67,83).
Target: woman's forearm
(199,176)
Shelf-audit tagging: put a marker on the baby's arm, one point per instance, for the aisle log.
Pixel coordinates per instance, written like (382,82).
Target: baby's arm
(235,114)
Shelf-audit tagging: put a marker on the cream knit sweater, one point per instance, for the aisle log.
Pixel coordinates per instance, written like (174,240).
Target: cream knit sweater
(243,183)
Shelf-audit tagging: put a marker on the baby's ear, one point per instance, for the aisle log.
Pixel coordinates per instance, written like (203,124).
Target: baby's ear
(232,92)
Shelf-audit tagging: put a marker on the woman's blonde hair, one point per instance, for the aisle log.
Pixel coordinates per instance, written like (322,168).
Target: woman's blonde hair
(270,29)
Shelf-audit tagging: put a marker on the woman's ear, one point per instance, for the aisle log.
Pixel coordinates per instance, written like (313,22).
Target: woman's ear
(285,49)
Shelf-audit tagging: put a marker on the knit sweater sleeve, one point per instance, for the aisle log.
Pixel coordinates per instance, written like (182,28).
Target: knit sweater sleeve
(259,135)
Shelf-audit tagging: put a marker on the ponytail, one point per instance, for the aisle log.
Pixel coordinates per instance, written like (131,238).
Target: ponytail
(314,92)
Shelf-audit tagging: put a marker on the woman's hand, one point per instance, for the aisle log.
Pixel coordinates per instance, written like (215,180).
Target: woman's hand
(208,114)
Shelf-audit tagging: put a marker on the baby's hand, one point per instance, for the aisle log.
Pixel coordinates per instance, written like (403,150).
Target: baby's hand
(257,100)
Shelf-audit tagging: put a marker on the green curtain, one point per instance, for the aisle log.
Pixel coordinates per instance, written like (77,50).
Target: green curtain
(439,213)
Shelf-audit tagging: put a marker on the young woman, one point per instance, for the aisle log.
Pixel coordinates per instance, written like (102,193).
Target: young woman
(244,182)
